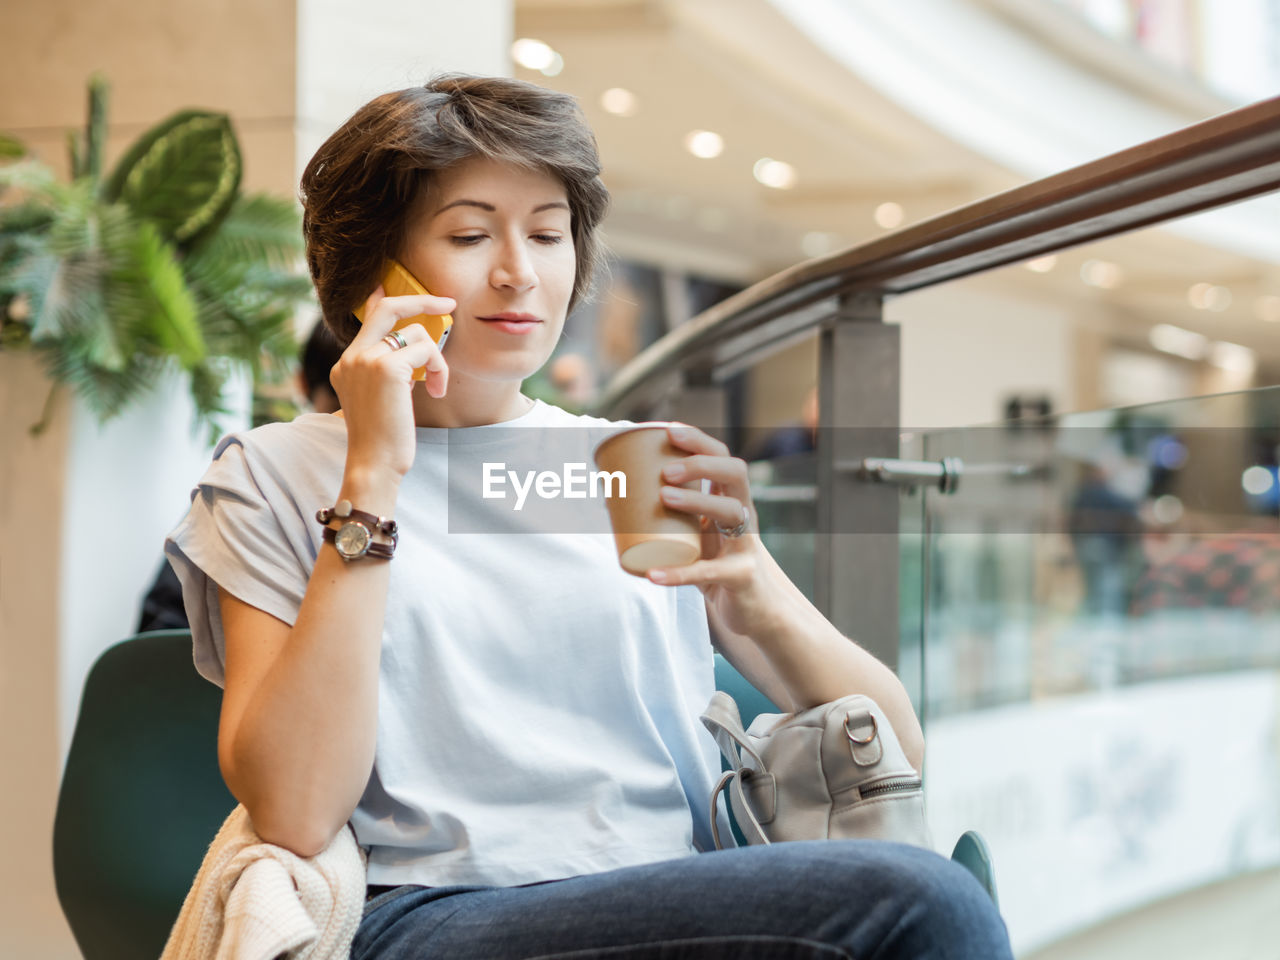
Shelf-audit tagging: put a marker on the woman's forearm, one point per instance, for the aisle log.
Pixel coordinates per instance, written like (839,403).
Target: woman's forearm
(301,751)
(817,664)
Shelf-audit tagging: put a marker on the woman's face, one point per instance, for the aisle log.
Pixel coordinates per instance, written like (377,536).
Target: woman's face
(497,239)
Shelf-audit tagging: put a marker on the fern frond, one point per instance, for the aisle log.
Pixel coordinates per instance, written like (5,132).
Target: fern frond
(146,285)
(258,229)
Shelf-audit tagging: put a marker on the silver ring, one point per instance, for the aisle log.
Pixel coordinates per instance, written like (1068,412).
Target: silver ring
(395,340)
(741,528)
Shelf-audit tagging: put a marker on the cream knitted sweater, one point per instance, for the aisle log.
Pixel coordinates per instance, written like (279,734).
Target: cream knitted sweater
(253,900)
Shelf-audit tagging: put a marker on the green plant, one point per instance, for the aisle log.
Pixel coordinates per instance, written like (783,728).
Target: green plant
(162,264)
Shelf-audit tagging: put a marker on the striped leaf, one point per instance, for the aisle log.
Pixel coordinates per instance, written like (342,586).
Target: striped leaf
(183,174)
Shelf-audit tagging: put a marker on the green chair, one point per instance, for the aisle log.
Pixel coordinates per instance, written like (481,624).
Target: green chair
(142,796)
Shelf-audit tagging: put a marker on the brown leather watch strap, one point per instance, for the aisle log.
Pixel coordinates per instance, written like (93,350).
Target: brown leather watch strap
(380,551)
(343,510)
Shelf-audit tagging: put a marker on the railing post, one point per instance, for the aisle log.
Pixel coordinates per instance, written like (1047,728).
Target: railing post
(699,401)
(856,572)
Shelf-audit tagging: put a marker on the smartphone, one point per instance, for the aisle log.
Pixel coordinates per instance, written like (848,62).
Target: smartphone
(399,282)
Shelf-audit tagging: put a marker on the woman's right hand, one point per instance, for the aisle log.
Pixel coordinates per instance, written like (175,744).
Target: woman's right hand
(374,382)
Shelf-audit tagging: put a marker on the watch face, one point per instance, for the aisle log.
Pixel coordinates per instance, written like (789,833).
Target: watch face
(352,540)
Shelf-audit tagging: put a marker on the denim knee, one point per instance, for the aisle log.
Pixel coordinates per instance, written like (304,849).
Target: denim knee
(914,902)
(932,906)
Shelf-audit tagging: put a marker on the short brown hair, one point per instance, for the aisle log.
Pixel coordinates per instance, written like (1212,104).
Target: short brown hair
(358,190)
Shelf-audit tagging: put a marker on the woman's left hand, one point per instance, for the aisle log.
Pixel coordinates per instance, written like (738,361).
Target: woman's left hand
(734,573)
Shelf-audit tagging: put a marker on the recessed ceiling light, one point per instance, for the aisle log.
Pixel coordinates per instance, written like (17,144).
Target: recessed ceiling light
(704,144)
(889,215)
(1101,273)
(775,173)
(532,54)
(1207,296)
(1042,264)
(618,101)
(555,66)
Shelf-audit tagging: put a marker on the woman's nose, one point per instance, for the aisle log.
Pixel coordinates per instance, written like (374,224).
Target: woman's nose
(514,268)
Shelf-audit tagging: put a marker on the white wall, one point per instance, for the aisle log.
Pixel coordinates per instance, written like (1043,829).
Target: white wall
(965,349)
(128,483)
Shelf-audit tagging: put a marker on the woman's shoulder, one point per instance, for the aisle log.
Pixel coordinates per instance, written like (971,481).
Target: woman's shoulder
(306,433)
(299,454)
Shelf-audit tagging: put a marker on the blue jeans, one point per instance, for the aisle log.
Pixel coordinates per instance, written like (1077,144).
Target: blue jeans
(819,900)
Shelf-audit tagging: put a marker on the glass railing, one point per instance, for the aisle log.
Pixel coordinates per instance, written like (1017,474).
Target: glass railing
(1100,630)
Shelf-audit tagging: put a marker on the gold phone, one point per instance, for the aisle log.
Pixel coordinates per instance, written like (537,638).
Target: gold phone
(399,282)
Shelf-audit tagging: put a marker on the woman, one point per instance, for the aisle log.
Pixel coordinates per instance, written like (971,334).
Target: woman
(509,720)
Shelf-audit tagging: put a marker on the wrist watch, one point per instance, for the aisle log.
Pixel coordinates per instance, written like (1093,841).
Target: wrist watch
(353,539)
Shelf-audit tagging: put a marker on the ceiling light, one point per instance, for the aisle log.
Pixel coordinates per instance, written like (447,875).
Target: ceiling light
(555,66)
(889,215)
(1042,264)
(1183,343)
(775,173)
(1101,273)
(618,101)
(1219,299)
(532,54)
(1267,308)
(1232,357)
(704,144)
(1207,296)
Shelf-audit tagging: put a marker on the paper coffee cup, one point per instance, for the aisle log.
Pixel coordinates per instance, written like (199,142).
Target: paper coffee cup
(648,533)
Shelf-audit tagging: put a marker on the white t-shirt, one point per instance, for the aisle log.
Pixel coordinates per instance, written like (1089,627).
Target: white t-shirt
(538,706)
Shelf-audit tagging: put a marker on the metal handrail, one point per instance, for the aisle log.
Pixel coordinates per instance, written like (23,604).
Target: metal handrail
(1219,161)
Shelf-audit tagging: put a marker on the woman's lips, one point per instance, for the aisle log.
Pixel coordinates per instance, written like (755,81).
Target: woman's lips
(511,325)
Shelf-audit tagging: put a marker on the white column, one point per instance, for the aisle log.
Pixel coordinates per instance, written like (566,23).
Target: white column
(128,483)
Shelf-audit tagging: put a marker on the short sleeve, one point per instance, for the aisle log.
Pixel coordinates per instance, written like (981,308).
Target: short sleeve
(242,534)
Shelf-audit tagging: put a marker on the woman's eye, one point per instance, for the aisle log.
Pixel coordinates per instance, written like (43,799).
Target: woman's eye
(469,240)
(547,238)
